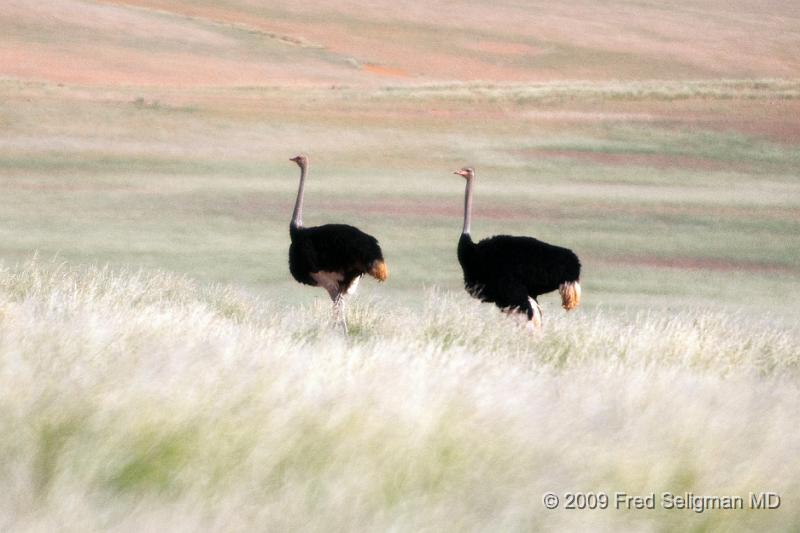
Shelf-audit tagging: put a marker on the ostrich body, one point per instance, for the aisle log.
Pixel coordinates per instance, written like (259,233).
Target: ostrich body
(512,272)
(332,256)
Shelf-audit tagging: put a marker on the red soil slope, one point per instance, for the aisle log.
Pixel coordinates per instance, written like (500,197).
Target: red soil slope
(243,42)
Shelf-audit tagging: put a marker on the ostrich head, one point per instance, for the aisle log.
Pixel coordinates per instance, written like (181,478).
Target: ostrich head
(466,173)
(300,159)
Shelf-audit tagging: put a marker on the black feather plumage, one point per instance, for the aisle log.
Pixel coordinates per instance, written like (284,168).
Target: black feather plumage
(337,248)
(506,270)
(511,271)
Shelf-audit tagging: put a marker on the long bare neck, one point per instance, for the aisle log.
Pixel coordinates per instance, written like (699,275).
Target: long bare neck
(467,207)
(297,215)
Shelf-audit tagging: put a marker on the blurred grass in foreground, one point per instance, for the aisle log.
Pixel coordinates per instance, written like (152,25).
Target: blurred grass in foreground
(132,401)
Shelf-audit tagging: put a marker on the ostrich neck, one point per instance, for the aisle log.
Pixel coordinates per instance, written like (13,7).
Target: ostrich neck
(297,215)
(466,252)
(467,208)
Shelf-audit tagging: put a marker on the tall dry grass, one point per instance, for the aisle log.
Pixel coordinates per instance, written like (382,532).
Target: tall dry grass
(137,401)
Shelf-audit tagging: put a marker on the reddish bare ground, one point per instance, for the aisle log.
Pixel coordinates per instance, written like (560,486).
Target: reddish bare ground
(432,208)
(703,211)
(240,42)
(784,129)
(702,263)
(505,48)
(127,67)
(63,186)
(385,71)
(69,41)
(626,159)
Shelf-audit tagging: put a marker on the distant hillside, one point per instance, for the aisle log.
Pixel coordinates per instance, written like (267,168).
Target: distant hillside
(240,42)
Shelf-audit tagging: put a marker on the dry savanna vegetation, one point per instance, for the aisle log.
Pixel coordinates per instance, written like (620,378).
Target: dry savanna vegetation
(160,370)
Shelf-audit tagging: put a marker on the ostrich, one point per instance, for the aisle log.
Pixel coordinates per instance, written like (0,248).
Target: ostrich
(513,271)
(333,256)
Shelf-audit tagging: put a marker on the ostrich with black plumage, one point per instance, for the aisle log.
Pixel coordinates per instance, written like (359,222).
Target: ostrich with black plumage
(512,272)
(332,256)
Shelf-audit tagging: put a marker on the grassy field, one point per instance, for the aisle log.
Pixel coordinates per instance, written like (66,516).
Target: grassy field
(148,402)
(673,194)
(160,369)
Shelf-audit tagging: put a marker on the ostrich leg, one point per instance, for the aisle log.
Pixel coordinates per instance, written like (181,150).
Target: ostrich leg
(534,315)
(340,312)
